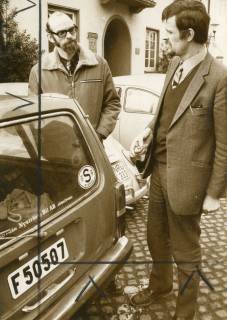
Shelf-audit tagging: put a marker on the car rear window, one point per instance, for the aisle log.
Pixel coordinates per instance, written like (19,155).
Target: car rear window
(47,160)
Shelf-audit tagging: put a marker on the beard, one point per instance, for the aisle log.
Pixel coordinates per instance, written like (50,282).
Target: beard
(70,47)
(172,53)
(169,50)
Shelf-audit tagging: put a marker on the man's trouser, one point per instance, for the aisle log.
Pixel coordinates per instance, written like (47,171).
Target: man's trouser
(173,236)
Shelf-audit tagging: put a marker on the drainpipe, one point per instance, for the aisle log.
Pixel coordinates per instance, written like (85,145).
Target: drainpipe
(208,6)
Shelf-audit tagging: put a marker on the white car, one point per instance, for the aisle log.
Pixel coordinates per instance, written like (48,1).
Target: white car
(139,99)
(125,170)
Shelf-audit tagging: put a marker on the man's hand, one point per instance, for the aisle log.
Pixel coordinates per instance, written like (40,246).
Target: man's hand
(210,204)
(139,144)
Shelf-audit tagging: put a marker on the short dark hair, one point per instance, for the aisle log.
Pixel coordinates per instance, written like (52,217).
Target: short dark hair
(189,14)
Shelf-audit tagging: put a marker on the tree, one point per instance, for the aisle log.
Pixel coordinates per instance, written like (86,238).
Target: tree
(18,51)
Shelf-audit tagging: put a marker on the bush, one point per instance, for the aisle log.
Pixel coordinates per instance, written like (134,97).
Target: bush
(164,58)
(18,51)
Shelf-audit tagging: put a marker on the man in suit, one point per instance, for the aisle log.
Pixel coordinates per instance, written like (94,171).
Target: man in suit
(187,157)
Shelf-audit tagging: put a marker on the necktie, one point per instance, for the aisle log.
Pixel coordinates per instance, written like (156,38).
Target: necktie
(177,77)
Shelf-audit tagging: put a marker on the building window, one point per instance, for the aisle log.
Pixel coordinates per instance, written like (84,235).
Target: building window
(92,41)
(73,14)
(151,50)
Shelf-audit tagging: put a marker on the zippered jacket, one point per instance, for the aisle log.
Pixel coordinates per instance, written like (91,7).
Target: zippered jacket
(91,85)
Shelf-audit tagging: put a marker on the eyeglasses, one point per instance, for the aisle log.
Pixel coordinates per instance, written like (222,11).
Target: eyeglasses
(63,33)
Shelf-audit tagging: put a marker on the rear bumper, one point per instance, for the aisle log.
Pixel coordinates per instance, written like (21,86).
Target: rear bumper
(100,272)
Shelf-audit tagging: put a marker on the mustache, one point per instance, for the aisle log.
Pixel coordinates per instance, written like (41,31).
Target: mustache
(70,43)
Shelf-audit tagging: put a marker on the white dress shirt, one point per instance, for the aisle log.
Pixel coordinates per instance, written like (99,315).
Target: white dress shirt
(191,62)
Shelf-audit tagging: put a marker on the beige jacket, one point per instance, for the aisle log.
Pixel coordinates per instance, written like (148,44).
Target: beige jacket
(91,85)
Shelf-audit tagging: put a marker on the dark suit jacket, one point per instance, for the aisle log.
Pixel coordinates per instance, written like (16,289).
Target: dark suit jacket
(196,141)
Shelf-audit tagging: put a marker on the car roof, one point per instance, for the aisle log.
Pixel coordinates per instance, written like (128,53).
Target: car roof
(17,88)
(12,106)
(151,81)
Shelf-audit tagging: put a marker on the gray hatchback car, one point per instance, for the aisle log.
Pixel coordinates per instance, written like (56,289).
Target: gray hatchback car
(60,210)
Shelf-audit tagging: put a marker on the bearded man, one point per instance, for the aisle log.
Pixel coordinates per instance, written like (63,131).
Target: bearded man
(78,73)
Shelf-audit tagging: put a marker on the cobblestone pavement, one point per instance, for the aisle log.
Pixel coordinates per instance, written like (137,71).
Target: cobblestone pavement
(212,304)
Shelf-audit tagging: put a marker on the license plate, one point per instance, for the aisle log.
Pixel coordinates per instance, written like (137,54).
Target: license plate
(120,172)
(37,268)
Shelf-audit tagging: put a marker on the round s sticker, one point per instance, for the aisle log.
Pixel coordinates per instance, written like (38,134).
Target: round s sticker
(86,177)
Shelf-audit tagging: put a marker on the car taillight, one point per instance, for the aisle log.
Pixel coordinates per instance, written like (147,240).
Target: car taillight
(120,199)
(120,209)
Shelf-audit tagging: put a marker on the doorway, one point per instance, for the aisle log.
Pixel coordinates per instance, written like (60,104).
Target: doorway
(117,47)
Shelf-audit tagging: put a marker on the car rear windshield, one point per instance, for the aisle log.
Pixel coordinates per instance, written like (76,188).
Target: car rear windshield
(44,166)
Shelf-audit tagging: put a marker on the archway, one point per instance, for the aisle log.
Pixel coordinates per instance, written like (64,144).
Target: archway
(117,47)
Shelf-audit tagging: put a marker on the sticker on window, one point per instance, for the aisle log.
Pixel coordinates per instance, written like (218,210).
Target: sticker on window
(86,177)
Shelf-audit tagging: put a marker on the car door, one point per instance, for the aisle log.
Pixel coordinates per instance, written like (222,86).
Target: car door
(139,108)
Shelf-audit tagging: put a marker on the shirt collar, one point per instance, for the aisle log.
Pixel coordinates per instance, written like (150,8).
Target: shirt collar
(192,62)
(73,61)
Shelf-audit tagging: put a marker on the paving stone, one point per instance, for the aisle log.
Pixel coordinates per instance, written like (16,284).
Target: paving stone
(222,314)
(206,317)
(216,305)
(145,317)
(211,304)
(214,296)
(202,309)
(120,299)
(108,310)
(205,290)
(132,282)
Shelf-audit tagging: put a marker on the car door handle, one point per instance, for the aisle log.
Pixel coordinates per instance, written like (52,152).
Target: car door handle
(50,292)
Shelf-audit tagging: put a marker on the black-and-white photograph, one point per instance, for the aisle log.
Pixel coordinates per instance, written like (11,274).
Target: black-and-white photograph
(113,159)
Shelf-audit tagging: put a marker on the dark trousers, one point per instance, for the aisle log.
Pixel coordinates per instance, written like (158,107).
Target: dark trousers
(172,237)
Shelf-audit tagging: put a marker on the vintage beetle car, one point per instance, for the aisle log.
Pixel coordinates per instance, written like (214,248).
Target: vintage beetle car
(125,171)
(139,98)
(60,206)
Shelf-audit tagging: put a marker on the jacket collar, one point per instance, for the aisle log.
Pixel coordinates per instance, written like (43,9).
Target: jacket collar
(191,91)
(52,60)
(172,68)
(192,62)
(194,87)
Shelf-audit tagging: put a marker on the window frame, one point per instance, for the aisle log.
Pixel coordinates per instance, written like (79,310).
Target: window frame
(140,89)
(156,50)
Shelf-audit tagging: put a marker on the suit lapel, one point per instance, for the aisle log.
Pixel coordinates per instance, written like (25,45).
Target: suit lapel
(193,88)
(168,78)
